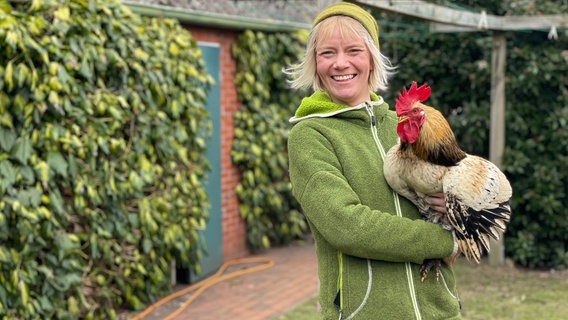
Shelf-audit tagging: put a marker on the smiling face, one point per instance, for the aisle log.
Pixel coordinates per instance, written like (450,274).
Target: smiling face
(343,64)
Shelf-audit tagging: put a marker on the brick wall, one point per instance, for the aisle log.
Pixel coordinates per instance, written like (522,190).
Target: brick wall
(234,228)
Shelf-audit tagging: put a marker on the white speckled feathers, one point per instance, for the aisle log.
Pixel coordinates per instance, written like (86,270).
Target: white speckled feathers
(477,183)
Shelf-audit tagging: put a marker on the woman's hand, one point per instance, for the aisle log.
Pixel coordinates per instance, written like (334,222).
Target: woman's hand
(437,202)
(451,259)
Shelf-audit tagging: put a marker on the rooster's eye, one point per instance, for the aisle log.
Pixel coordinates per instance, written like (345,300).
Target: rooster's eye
(417,112)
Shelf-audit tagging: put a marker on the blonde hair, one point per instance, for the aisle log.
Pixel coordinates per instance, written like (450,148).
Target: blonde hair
(304,76)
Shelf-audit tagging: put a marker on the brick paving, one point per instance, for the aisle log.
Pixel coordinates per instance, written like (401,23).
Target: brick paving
(259,295)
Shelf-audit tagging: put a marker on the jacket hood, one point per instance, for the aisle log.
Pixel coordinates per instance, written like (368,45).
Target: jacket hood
(319,105)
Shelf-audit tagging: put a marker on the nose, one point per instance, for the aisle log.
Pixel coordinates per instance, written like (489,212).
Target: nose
(341,61)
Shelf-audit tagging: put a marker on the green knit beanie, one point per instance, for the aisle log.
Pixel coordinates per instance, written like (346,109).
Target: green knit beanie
(353,11)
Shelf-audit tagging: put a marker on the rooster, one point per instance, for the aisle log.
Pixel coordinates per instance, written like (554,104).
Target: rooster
(428,160)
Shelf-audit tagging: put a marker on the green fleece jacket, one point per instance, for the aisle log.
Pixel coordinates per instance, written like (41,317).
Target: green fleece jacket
(365,249)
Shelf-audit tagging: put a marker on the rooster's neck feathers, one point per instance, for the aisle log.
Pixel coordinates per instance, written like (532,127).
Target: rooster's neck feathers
(436,142)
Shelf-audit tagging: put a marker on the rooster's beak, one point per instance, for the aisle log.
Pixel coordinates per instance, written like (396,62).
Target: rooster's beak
(402,119)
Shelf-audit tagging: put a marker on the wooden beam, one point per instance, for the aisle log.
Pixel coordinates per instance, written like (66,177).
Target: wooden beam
(497,123)
(442,27)
(466,19)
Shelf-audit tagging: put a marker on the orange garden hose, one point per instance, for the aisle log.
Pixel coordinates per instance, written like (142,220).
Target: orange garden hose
(203,285)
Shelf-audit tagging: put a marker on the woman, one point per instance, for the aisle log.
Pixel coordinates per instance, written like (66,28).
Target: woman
(369,242)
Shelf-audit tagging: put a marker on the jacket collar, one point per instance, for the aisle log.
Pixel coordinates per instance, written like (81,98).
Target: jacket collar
(319,105)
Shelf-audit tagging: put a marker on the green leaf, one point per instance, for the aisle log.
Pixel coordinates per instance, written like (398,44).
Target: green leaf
(62,14)
(56,202)
(56,162)
(7,172)
(73,170)
(85,70)
(22,151)
(8,137)
(28,176)
(4,6)
(29,197)
(4,255)
(64,245)
(146,245)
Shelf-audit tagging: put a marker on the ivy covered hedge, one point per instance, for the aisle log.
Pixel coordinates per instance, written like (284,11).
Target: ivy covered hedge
(102,126)
(261,130)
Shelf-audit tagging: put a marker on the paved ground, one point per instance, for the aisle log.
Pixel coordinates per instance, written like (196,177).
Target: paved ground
(258,295)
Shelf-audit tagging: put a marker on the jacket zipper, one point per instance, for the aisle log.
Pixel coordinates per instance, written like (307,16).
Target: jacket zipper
(409,276)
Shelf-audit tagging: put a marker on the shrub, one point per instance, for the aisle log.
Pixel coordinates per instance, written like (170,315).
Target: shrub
(261,132)
(103,126)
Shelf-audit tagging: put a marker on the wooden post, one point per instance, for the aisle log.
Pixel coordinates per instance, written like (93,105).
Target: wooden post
(497,123)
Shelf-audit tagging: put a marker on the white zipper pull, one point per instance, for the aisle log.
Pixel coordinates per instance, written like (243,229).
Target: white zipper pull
(370,112)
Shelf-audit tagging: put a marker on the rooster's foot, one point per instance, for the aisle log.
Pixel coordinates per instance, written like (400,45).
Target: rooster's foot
(428,265)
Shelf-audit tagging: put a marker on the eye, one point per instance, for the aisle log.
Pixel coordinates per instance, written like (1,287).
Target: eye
(325,53)
(355,50)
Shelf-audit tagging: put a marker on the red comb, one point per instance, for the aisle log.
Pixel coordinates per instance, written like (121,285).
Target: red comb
(407,98)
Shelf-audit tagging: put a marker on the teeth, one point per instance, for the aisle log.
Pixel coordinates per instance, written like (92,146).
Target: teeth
(343,78)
